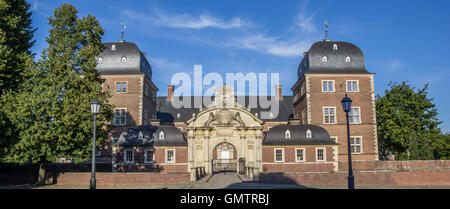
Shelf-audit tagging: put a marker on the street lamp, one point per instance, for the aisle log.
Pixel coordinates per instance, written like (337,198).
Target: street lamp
(347,104)
(95,108)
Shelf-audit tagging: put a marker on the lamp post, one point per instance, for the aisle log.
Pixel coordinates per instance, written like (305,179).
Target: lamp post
(347,104)
(95,107)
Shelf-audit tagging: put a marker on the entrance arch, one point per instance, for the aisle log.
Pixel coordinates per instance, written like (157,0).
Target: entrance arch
(224,158)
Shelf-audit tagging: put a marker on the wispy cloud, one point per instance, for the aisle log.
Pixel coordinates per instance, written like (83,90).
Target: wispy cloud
(395,65)
(160,17)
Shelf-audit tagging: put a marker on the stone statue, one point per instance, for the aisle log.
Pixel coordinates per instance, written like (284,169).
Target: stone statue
(211,119)
(238,118)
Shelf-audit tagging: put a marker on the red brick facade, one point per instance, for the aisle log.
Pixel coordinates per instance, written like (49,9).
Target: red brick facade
(313,101)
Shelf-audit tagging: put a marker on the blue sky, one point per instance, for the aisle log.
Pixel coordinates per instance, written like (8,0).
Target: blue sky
(401,40)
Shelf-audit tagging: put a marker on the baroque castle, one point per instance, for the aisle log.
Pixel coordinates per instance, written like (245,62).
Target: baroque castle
(308,134)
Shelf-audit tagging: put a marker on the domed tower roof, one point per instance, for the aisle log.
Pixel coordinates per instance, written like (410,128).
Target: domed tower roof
(330,57)
(123,58)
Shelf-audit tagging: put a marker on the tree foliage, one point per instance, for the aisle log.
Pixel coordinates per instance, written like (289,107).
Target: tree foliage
(52,112)
(408,124)
(16,59)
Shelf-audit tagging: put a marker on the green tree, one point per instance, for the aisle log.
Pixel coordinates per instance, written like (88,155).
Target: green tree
(52,113)
(16,59)
(407,122)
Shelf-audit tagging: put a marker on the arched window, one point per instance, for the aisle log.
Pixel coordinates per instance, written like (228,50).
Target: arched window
(100,60)
(256,114)
(124,59)
(347,59)
(287,134)
(140,135)
(113,47)
(161,135)
(335,47)
(308,134)
(178,115)
(324,59)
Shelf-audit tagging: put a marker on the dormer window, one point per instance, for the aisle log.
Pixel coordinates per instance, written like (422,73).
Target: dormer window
(256,114)
(100,60)
(308,134)
(140,135)
(335,47)
(161,135)
(113,47)
(193,114)
(324,59)
(287,134)
(347,59)
(124,59)
(178,115)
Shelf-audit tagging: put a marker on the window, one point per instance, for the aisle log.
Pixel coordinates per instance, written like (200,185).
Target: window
(149,156)
(324,59)
(161,135)
(124,59)
(304,116)
(153,96)
(329,115)
(320,154)
(300,155)
(335,47)
(146,89)
(140,135)
(352,86)
(170,156)
(113,47)
(100,60)
(355,145)
(145,122)
(178,115)
(308,134)
(334,138)
(287,134)
(97,152)
(279,155)
(354,116)
(129,156)
(327,86)
(121,87)
(347,59)
(120,117)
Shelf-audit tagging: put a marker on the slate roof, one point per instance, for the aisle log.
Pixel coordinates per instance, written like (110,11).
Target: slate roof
(276,135)
(172,136)
(312,61)
(167,113)
(136,62)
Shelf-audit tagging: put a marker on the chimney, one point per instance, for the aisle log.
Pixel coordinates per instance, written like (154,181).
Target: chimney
(278,92)
(170,92)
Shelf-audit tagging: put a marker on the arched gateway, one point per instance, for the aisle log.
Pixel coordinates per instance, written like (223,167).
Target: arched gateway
(224,133)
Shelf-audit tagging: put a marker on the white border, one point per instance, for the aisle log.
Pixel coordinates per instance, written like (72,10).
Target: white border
(346,85)
(174,156)
(323,114)
(304,155)
(125,156)
(334,87)
(324,154)
(275,155)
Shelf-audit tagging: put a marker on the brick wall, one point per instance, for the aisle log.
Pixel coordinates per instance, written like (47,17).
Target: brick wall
(373,178)
(396,165)
(120,178)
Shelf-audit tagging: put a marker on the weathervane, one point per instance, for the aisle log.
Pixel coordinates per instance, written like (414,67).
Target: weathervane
(326,31)
(123,29)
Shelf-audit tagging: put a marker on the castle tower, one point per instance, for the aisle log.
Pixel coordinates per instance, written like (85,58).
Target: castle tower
(327,72)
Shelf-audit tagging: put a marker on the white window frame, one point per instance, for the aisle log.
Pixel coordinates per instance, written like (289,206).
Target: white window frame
(304,155)
(100,60)
(125,116)
(335,138)
(324,154)
(324,59)
(360,145)
(357,85)
(113,47)
(125,159)
(146,154)
(308,134)
(335,47)
(335,114)
(348,59)
(121,89)
(328,90)
(167,156)
(287,134)
(359,115)
(123,59)
(161,135)
(275,155)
